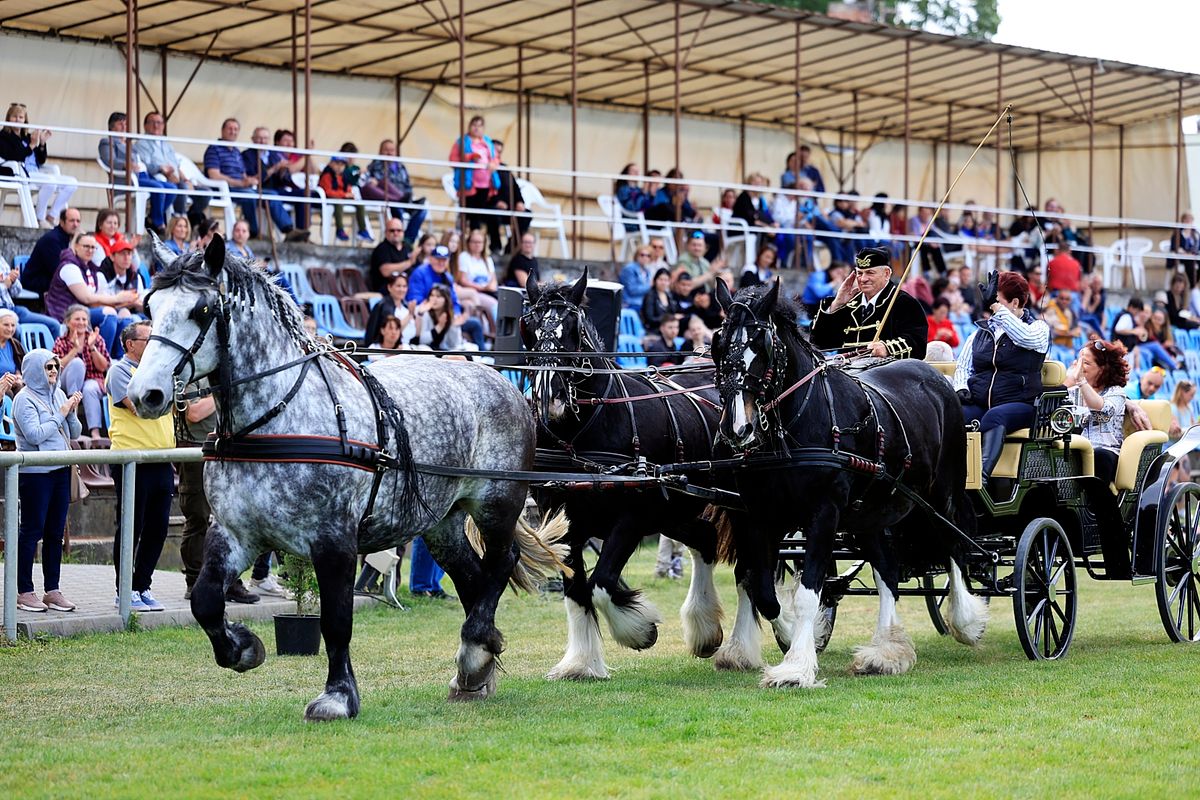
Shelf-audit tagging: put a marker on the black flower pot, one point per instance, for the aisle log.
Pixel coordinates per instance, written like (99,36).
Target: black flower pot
(297,634)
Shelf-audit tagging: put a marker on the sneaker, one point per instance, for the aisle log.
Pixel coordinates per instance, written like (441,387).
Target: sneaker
(187,593)
(366,237)
(342,236)
(149,603)
(238,594)
(436,594)
(676,567)
(296,235)
(269,585)
(135,602)
(56,601)
(28,601)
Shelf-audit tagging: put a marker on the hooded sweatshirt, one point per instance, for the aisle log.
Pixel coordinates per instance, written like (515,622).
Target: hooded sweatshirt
(36,417)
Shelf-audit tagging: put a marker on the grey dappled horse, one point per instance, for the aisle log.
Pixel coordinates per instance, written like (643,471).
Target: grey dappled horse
(450,414)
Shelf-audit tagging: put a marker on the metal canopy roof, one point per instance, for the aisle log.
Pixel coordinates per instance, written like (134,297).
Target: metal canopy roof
(736,59)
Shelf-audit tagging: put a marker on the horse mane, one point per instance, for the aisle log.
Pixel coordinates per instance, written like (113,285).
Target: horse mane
(785,316)
(245,282)
(560,292)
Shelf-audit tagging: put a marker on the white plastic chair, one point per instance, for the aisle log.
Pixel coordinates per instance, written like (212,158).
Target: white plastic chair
(735,232)
(619,218)
(546,216)
(19,185)
(1136,248)
(223,200)
(140,198)
(324,207)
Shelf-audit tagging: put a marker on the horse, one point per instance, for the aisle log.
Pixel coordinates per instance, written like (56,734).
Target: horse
(317,456)
(593,416)
(831,449)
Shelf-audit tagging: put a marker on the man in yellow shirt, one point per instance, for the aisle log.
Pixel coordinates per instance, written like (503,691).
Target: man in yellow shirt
(155,483)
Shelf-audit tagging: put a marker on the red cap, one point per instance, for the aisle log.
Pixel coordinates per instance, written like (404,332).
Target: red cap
(124,244)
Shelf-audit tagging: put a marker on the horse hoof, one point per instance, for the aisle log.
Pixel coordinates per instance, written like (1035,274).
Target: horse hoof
(466,695)
(708,649)
(735,659)
(329,706)
(890,654)
(577,672)
(792,676)
(248,651)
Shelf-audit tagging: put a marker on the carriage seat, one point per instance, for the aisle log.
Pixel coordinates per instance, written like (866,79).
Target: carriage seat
(1053,372)
(1136,442)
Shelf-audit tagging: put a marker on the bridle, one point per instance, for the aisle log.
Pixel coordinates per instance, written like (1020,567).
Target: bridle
(204,313)
(734,375)
(550,317)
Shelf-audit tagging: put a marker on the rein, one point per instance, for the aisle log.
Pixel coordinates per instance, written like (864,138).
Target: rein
(780,398)
(607,401)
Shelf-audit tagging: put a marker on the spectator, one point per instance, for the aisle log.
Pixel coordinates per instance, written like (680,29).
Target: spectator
(941,329)
(27,147)
(1179,309)
(670,203)
(477,183)
(636,277)
(393,304)
(476,276)
(333,182)
(224,163)
(1092,304)
(238,243)
(697,337)
(931,250)
(389,337)
(879,224)
(1057,229)
(784,210)
(424,574)
(435,326)
(1130,330)
(10,283)
(43,419)
(46,256)
(11,353)
(509,196)
(108,235)
(1097,381)
(658,302)
(205,232)
(663,341)
(452,239)
(1063,271)
(704,307)
(1184,417)
(113,156)
(695,264)
(1158,329)
(436,272)
(162,162)
(658,253)
(1185,241)
(1148,385)
(823,285)
(155,483)
(800,166)
(390,257)
(629,195)
(681,291)
(388,180)
(424,251)
(79,280)
(127,279)
(286,175)
(752,207)
(1064,328)
(179,235)
(522,262)
(808,215)
(668,560)
(760,271)
(83,359)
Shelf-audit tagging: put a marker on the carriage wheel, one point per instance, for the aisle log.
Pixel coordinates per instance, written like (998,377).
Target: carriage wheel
(934,602)
(1045,591)
(1178,567)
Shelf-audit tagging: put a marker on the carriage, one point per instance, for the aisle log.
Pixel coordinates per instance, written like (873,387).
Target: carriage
(1045,517)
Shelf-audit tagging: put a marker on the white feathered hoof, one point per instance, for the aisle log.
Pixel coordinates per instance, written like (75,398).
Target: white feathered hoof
(968,628)
(733,657)
(702,637)
(481,690)
(634,625)
(571,669)
(797,674)
(890,654)
(329,706)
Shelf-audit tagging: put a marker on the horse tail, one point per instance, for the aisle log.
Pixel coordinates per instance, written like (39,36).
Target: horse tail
(726,546)
(541,551)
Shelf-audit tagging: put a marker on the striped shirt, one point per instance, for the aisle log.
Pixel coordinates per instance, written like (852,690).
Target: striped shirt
(1033,336)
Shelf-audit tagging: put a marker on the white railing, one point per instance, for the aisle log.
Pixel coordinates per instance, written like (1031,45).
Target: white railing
(11,462)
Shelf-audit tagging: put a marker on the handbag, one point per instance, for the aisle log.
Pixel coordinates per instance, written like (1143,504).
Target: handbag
(79,489)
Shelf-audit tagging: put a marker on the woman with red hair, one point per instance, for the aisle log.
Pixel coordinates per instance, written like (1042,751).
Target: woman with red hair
(999,373)
(1097,383)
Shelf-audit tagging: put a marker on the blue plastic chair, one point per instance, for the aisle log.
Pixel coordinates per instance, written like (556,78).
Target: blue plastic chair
(631,323)
(630,344)
(7,430)
(328,313)
(34,335)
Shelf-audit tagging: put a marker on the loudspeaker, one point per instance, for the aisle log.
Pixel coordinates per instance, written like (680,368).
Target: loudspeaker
(603,310)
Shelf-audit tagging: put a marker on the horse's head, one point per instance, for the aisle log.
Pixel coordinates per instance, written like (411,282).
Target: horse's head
(555,323)
(750,361)
(183,306)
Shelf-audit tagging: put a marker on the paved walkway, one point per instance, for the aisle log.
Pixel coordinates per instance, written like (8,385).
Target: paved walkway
(90,587)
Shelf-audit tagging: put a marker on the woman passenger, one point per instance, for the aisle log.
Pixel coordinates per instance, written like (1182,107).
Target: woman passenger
(1097,383)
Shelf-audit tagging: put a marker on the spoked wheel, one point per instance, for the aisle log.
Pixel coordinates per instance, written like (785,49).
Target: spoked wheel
(934,602)
(1045,592)
(1178,567)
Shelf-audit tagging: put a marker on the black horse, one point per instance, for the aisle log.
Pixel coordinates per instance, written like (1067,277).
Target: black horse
(592,415)
(783,402)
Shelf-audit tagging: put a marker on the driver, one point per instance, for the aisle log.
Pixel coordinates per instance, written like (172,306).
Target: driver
(854,318)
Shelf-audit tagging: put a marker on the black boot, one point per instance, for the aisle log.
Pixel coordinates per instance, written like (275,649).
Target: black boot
(991,445)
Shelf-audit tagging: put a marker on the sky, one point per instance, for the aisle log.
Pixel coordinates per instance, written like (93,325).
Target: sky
(1152,33)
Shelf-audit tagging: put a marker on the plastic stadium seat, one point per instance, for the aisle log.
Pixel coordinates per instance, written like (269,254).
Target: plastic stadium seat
(324,281)
(34,335)
(630,344)
(631,323)
(355,310)
(7,433)
(352,281)
(328,314)
(299,280)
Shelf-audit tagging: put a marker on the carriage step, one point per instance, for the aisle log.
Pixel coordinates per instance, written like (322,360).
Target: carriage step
(1142,580)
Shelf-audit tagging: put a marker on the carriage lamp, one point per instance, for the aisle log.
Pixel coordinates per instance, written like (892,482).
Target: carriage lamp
(1067,419)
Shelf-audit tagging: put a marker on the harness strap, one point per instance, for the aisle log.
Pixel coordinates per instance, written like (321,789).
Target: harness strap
(606,401)
(278,408)
(816,371)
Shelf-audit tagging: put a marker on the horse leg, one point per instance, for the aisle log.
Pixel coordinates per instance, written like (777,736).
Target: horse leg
(584,658)
(891,650)
(743,651)
(701,612)
(799,665)
(632,619)
(967,615)
(234,646)
(334,562)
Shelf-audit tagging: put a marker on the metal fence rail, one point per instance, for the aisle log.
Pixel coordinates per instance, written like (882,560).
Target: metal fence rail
(128,459)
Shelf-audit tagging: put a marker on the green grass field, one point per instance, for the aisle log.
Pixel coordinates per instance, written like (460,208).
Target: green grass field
(150,715)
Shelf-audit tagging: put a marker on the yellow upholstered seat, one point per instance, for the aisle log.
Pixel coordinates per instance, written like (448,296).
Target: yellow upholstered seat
(1053,374)
(945,367)
(1136,442)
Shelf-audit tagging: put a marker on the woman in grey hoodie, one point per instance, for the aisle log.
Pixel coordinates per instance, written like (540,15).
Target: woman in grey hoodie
(44,419)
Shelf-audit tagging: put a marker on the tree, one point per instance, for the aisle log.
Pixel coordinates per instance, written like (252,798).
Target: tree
(974,19)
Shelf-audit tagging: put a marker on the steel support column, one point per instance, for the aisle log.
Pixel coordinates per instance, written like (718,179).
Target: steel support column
(521,132)
(646,118)
(574,131)
(130,32)
(796,103)
(907,121)
(162,60)
(1179,150)
(1121,180)
(1037,180)
(307,95)
(1091,118)
(999,136)
(949,142)
(295,79)
(462,102)
(677,232)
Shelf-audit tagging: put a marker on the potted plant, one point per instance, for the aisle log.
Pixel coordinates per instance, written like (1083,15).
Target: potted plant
(299,634)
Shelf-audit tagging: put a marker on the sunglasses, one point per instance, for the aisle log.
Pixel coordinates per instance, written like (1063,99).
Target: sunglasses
(659,246)
(52,366)
(17,105)
(643,255)
(395,230)
(1099,345)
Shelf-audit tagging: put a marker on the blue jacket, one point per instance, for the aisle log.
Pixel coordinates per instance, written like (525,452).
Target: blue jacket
(38,423)
(44,259)
(636,284)
(422,280)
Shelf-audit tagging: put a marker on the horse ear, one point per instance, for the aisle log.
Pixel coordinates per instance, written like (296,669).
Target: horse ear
(532,290)
(579,290)
(772,295)
(724,299)
(214,255)
(162,256)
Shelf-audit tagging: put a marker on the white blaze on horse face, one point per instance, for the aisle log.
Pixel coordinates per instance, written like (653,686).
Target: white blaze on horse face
(742,426)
